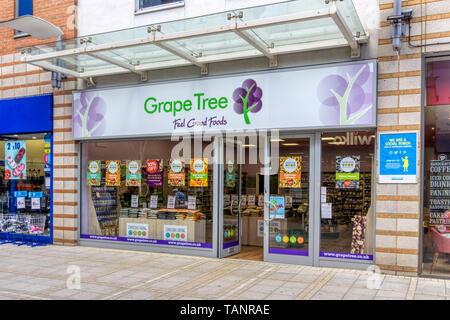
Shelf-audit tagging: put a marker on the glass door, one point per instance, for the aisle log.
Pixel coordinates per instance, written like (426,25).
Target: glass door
(230,210)
(289,199)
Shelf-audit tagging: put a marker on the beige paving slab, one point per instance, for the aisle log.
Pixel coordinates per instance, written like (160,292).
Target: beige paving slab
(119,274)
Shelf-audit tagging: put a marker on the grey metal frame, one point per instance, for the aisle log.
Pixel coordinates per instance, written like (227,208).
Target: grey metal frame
(203,252)
(281,258)
(422,159)
(222,253)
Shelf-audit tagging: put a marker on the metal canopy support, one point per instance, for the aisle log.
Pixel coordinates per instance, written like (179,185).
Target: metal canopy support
(51,67)
(273,62)
(173,50)
(346,32)
(113,61)
(240,28)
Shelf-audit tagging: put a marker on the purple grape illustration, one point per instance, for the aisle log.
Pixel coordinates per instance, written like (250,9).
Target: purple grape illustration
(247,99)
(89,115)
(343,95)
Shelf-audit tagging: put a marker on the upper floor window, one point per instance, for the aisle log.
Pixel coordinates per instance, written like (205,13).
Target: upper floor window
(145,4)
(24,7)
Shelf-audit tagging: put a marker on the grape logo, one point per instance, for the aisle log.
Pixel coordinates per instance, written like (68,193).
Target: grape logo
(176,165)
(290,165)
(113,167)
(89,115)
(348,164)
(346,96)
(199,165)
(93,167)
(247,99)
(133,167)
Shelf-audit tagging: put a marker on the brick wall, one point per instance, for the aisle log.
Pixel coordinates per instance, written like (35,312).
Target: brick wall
(399,109)
(19,80)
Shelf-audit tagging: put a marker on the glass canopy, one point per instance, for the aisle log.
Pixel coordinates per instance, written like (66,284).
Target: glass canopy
(269,30)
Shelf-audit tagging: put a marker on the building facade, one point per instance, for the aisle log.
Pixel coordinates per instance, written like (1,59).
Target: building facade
(395,216)
(27,89)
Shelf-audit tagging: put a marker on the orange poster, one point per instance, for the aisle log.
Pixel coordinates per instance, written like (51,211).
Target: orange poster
(290,172)
(112,178)
(199,173)
(176,173)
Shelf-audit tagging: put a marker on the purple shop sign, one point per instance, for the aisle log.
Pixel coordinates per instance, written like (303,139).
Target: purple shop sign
(288,251)
(334,96)
(149,241)
(367,257)
(155,179)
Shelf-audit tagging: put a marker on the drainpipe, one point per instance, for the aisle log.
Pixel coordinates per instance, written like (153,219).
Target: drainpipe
(57,76)
(397,26)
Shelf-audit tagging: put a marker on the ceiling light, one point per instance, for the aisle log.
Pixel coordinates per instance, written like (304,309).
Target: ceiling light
(327,138)
(274,140)
(290,144)
(34,137)
(248,145)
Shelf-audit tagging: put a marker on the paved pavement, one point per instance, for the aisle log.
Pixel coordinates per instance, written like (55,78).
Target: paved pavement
(43,273)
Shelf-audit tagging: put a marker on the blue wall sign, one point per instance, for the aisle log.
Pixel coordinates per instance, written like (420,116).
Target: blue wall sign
(398,158)
(26,115)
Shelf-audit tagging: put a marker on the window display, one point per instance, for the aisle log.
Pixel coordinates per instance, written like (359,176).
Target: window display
(346,198)
(143,192)
(25,188)
(436,186)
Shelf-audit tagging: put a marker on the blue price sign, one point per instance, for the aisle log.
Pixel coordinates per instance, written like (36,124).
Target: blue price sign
(20,194)
(35,194)
(398,158)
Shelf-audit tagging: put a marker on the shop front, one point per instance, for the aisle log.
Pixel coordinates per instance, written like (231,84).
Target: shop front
(272,165)
(26,170)
(436,170)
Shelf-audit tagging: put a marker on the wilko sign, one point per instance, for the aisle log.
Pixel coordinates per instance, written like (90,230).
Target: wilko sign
(350,139)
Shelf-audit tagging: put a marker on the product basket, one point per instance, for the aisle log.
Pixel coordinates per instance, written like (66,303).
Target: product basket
(37,224)
(22,223)
(8,222)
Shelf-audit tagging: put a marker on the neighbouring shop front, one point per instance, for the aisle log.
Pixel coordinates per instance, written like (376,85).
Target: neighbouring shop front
(26,170)
(436,182)
(279,164)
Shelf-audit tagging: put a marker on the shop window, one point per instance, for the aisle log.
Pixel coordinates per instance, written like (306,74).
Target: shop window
(25,184)
(436,197)
(148,192)
(23,8)
(146,4)
(347,195)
